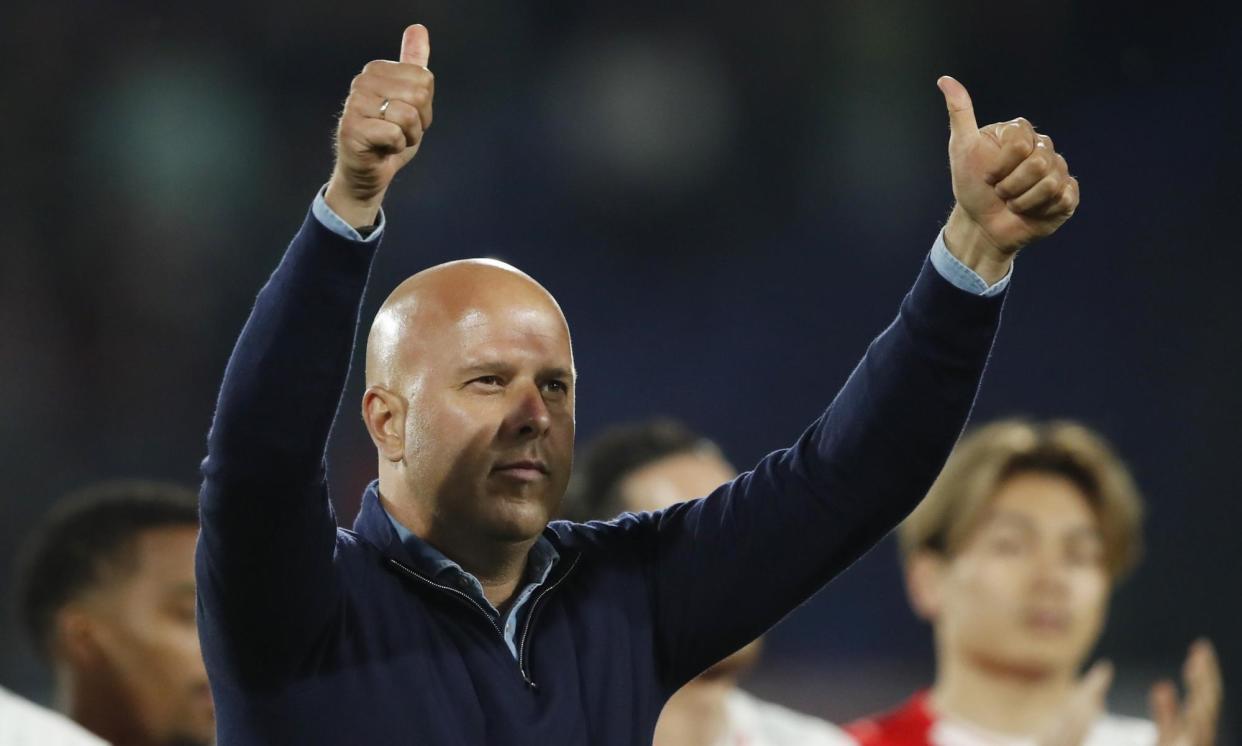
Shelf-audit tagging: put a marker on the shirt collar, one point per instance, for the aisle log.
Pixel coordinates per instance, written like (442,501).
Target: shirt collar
(436,565)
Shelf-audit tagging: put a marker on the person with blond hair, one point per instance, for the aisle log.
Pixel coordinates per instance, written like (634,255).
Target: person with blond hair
(1012,557)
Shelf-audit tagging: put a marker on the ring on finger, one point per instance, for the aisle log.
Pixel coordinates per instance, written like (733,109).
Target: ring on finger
(383,108)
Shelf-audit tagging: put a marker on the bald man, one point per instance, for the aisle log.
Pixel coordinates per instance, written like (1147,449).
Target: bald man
(454,613)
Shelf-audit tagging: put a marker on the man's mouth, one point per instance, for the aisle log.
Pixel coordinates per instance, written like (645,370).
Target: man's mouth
(1047,620)
(525,470)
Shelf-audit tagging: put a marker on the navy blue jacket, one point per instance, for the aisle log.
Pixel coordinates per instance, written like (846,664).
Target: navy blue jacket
(315,634)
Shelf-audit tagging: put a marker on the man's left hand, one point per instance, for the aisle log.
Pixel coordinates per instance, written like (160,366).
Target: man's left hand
(1011,186)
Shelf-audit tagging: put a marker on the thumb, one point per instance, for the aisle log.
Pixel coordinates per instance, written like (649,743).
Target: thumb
(416,45)
(961,110)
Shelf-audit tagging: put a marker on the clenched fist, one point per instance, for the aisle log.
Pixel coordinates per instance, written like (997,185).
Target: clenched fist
(1011,186)
(381,128)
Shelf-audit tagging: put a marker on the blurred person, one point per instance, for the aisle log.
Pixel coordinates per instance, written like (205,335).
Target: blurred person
(106,594)
(24,723)
(647,467)
(1012,558)
(453,612)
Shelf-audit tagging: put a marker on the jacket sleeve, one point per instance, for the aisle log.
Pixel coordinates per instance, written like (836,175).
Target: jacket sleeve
(264,563)
(726,568)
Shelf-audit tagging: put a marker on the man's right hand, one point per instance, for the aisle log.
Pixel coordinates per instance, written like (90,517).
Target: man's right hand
(381,128)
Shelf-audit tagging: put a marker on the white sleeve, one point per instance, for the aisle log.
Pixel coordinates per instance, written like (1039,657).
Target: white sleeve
(1115,730)
(23,723)
(758,723)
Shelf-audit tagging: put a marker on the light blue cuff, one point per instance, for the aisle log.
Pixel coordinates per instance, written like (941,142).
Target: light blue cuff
(334,223)
(960,275)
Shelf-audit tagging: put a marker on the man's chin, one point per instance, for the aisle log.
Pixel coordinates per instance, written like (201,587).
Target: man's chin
(516,526)
(1033,662)
(197,728)
(514,517)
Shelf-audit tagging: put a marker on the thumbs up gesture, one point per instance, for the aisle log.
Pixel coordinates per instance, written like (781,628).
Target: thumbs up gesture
(1011,186)
(381,128)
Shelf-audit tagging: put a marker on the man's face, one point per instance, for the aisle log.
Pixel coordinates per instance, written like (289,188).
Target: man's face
(144,628)
(490,427)
(676,479)
(1029,590)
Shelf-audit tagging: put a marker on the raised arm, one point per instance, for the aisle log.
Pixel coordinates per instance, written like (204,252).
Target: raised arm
(264,565)
(728,567)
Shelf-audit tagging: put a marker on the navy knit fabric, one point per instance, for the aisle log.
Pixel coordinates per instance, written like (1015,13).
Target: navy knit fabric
(315,634)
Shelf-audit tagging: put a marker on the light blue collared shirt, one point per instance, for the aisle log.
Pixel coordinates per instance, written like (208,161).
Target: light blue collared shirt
(961,276)
(439,568)
(333,222)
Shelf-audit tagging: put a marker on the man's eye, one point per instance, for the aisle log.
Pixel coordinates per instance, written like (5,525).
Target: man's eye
(488,381)
(1085,555)
(559,387)
(1006,545)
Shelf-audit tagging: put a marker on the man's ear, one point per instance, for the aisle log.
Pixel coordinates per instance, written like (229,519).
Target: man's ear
(384,415)
(925,572)
(75,637)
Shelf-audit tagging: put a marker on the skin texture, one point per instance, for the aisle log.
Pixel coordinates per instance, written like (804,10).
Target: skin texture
(694,716)
(373,145)
(1027,594)
(1011,186)
(1017,609)
(1016,612)
(470,404)
(128,660)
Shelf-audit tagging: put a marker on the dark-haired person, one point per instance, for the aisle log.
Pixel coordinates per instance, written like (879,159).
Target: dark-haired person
(651,466)
(454,613)
(106,593)
(1012,557)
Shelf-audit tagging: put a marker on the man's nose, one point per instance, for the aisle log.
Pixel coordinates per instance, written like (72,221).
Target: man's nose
(529,417)
(1050,570)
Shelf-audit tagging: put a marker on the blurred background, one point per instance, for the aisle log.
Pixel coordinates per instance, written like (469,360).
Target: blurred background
(728,199)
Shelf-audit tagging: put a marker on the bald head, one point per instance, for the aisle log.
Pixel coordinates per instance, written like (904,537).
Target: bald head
(443,302)
(470,404)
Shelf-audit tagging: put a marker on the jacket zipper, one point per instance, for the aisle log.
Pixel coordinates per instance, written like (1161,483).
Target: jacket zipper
(452,590)
(530,620)
(529,617)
